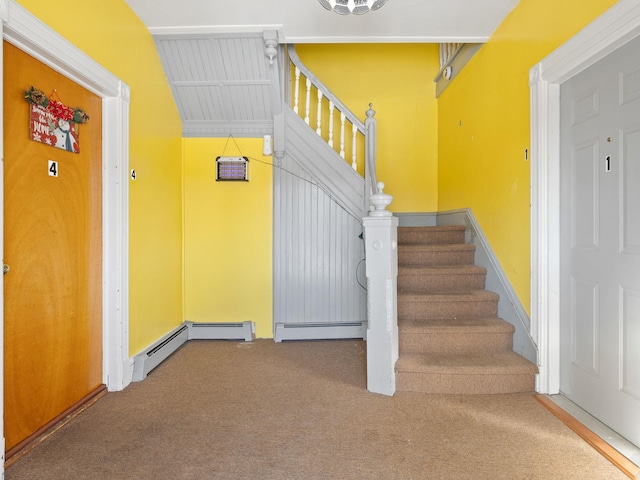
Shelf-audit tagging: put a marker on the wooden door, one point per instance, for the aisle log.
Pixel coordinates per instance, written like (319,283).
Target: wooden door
(53,247)
(600,240)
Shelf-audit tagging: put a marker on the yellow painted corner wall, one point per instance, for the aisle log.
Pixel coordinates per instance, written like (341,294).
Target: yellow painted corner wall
(110,33)
(484,127)
(398,80)
(228,236)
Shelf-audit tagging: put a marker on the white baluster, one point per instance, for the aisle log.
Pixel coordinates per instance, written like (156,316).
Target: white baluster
(296,96)
(319,116)
(308,101)
(354,147)
(342,118)
(331,107)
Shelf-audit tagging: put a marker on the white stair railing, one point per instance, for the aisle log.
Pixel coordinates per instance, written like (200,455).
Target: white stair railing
(333,118)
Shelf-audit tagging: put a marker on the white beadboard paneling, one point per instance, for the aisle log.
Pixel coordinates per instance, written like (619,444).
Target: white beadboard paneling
(317,244)
(221,77)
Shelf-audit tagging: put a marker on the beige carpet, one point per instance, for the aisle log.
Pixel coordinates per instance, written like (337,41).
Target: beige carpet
(261,410)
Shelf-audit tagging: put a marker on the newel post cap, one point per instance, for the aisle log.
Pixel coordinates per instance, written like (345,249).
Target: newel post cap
(380,201)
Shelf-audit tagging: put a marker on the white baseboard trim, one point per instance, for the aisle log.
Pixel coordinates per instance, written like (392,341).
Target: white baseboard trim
(320,331)
(159,351)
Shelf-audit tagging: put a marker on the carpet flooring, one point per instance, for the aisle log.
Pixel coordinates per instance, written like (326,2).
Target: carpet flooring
(300,410)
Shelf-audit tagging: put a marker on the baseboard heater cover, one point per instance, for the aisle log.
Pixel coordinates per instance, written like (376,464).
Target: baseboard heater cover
(222,331)
(158,352)
(320,331)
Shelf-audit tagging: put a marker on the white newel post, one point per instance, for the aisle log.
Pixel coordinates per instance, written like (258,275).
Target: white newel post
(381,248)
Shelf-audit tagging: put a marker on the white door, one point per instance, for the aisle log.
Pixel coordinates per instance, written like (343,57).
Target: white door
(600,240)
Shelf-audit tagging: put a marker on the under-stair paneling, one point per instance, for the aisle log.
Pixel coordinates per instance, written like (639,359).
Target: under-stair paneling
(318,249)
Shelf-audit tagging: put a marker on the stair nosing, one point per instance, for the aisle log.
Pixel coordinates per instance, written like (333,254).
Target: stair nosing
(438,246)
(464,269)
(484,325)
(460,296)
(472,364)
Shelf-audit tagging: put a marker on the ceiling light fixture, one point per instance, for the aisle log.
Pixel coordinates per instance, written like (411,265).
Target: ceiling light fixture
(358,7)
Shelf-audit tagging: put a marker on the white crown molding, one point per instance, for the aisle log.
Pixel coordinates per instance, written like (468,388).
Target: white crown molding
(617,26)
(383,39)
(235,30)
(232,30)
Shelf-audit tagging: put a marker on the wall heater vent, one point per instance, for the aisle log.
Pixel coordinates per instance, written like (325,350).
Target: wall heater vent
(158,352)
(320,331)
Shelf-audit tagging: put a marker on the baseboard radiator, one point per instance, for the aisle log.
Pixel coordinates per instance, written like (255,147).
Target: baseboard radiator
(158,352)
(320,331)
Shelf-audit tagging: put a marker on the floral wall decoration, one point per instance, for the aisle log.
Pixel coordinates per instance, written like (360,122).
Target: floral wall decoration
(52,122)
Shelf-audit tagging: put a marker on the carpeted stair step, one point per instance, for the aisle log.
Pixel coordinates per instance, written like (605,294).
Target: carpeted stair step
(435,255)
(431,235)
(441,279)
(476,303)
(465,374)
(451,340)
(461,336)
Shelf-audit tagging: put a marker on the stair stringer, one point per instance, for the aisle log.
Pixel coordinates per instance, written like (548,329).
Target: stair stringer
(318,251)
(324,165)
(509,307)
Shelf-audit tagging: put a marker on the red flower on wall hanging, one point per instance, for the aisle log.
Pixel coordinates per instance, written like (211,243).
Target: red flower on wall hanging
(52,122)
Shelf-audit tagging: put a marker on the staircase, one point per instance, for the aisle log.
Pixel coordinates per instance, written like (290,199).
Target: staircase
(450,337)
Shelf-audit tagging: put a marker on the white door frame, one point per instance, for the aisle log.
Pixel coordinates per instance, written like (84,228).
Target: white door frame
(28,33)
(617,26)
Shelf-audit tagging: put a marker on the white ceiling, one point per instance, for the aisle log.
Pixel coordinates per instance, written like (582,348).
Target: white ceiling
(306,21)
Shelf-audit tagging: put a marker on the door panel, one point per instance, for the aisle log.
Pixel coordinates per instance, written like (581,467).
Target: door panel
(630,191)
(600,240)
(629,360)
(53,245)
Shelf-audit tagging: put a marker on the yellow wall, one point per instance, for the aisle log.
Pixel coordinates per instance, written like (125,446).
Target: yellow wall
(484,127)
(228,232)
(465,150)
(398,80)
(112,35)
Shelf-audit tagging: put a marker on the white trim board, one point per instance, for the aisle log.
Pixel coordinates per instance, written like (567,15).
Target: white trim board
(616,27)
(22,29)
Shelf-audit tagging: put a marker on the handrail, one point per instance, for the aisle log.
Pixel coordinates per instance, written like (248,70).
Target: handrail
(363,135)
(370,177)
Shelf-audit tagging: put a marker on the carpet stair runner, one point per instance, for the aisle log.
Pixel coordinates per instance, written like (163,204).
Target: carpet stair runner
(450,337)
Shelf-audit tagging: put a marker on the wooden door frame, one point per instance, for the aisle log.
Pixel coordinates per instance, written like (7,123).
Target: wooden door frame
(616,27)
(22,29)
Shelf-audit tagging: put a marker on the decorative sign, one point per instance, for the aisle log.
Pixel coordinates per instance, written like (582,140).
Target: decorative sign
(57,132)
(52,122)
